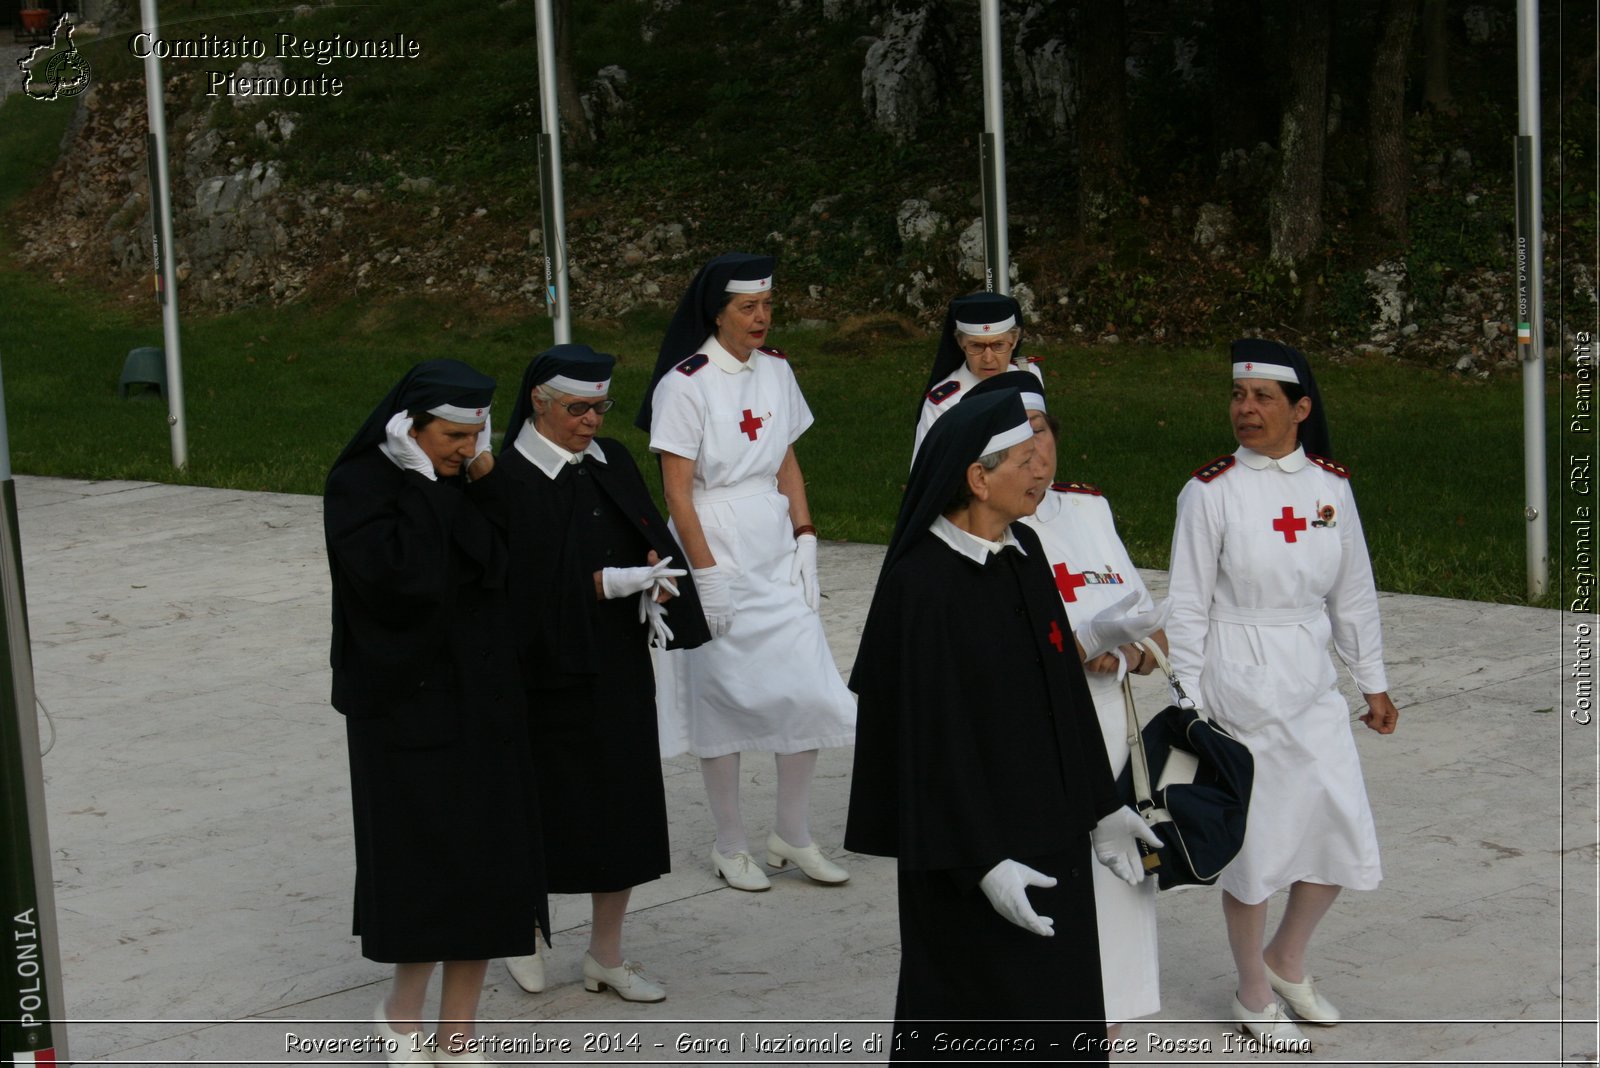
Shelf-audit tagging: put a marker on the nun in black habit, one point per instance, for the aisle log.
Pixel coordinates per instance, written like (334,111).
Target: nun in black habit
(979,763)
(595,578)
(448,863)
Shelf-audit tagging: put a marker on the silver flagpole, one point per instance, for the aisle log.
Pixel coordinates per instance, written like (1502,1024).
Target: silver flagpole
(552,201)
(34,1010)
(166,255)
(996,251)
(1530,296)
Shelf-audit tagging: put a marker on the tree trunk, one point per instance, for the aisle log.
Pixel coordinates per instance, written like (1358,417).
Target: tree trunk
(1388,161)
(571,108)
(1436,43)
(1102,119)
(1241,101)
(1294,212)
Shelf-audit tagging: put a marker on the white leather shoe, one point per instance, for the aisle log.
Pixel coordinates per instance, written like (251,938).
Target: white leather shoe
(1303,998)
(808,859)
(1272,1026)
(399,1042)
(740,871)
(627,980)
(529,971)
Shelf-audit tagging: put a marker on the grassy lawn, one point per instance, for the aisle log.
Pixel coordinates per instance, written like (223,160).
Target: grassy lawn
(272,394)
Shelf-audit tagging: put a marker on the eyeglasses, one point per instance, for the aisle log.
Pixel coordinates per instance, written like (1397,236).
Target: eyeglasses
(580,408)
(1000,346)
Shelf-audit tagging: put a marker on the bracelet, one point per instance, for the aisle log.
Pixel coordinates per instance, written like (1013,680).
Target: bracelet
(806,529)
(1140,665)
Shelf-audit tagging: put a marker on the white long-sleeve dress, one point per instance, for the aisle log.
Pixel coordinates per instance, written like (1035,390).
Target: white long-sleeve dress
(1093,571)
(1268,564)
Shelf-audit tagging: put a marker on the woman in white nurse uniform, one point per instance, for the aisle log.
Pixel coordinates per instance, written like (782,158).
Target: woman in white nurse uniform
(723,413)
(1268,564)
(982,338)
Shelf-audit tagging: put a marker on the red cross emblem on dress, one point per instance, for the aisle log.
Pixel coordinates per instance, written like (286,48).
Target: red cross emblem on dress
(1055,637)
(750,424)
(1288,524)
(1067,582)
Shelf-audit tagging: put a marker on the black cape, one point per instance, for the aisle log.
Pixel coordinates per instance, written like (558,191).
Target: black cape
(977,742)
(585,664)
(448,863)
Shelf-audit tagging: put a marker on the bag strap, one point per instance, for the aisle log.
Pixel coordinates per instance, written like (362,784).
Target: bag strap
(1150,646)
(1138,766)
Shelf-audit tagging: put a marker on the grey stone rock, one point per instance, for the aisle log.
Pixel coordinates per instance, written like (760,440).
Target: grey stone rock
(1213,226)
(918,223)
(899,81)
(969,247)
(1386,286)
(1046,77)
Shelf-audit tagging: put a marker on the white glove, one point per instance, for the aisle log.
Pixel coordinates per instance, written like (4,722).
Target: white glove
(804,569)
(482,444)
(1006,887)
(402,449)
(1113,839)
(653,612)
(625,581)
(716,600)
(1120,625)
(664,577)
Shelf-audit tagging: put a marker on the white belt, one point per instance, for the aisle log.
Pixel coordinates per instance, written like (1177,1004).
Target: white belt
(750,487)
(1267,617)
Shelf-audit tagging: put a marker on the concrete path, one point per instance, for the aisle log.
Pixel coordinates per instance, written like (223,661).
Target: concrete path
(199,819)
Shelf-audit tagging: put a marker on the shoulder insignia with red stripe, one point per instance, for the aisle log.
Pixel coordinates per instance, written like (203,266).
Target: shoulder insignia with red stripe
(1328,465)
(1215,468)
(779,353)
(1076,487)
(941,393)
(1033,359)
(694,363)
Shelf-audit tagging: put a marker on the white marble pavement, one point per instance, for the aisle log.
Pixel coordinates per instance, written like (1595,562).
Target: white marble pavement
(198,809)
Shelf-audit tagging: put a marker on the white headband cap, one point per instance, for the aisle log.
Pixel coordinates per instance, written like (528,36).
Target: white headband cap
(1276,371)
(577,387)
(1001,327)
(1007,438)
(745,285)
(459,415)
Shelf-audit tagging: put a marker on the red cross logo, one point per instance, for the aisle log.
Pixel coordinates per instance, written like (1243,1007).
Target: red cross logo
(1249,367)
(1055,637)
(750,424)
(1288,524)
(1067,582)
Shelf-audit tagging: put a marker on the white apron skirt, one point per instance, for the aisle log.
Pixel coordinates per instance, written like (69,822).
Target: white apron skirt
(1130,969)
(769,683)
(1273,686)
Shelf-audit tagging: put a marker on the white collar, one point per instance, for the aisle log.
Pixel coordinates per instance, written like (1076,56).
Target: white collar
(974,548)
(1256,461)
(546,455)
(724,359)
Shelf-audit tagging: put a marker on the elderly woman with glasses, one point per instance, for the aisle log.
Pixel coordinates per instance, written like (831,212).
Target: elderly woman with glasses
(593,583)
(982,338)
